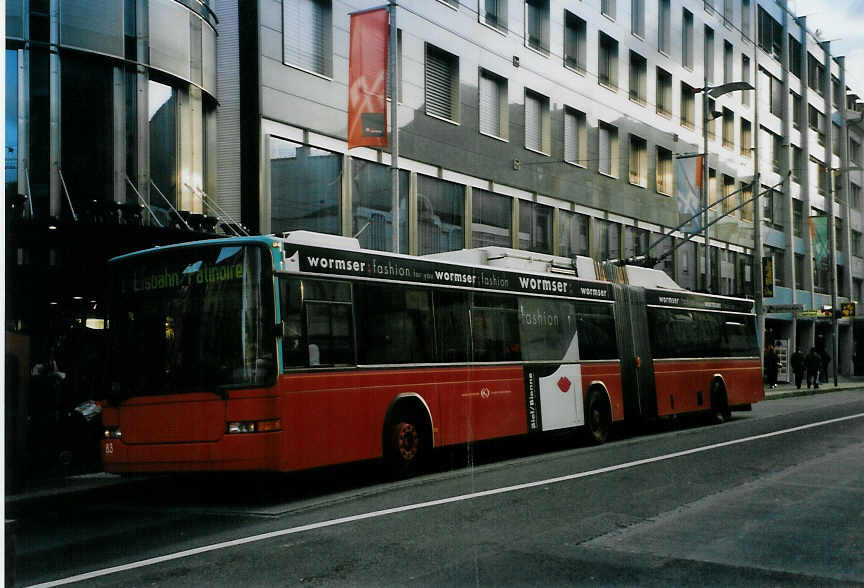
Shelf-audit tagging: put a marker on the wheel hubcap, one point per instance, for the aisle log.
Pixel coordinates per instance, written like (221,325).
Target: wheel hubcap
(407,441)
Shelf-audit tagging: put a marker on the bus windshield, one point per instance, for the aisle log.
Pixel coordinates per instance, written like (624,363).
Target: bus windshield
(190,320)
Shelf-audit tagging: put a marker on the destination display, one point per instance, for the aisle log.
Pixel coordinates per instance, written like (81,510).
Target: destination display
(353,264)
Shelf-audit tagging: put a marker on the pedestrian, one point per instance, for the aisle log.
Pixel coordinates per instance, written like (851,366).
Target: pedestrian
(797,363)
(813,363)
(772,366)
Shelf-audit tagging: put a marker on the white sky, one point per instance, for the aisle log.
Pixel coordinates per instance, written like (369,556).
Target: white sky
(842,23)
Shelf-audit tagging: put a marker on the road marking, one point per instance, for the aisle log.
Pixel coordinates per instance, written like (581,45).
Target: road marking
(420,505)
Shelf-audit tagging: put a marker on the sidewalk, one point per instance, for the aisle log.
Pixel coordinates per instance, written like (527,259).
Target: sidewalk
(787,390)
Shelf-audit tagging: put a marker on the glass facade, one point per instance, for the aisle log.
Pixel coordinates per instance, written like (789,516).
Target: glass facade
(440,212)
(572,233)
(11,122)
(305,188)
(87,165)
(163,102)
(535,227)
(372,206)
(491,219)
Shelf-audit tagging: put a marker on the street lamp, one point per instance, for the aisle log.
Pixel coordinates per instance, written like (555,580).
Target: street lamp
(714,92)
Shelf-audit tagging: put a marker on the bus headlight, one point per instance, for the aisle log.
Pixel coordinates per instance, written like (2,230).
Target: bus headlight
(113,432)
(253,426)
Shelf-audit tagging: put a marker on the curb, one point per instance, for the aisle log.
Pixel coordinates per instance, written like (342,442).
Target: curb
(775,395)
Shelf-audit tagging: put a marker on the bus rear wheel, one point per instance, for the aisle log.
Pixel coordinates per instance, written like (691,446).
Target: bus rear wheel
(406,446)
(598,418)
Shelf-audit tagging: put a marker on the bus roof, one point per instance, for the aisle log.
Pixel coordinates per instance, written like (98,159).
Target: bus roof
(490,258)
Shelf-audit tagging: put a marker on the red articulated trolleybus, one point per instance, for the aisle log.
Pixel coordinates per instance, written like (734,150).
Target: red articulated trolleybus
(269,353)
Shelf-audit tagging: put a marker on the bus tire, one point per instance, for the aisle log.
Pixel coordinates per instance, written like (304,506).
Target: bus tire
(720,412)
(406,444)
(598,417)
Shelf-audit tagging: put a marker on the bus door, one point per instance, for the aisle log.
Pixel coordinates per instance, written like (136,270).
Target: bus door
(634,350)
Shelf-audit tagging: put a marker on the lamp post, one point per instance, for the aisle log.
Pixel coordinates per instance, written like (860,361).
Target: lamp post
(714,92)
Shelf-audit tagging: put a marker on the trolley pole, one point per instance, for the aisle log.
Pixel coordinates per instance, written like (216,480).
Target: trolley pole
(393,63)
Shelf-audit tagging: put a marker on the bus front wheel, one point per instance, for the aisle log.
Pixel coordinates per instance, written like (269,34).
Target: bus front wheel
(406,445)
(598,417)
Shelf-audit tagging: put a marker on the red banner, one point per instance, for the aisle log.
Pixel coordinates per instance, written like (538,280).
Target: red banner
(367,79)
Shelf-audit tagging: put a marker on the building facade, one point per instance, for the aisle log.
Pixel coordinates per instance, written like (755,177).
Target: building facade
(110,136)
(557,127)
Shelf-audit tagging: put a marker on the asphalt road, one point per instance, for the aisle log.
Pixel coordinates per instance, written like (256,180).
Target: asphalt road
(775,497)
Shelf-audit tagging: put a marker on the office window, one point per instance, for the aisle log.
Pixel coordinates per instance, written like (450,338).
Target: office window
(777,152)
(638,161)
(817,172)
(728,128)
(688,106)
(855,237)
(665,174)
(854,152)
(815,74)
(440,215)
(794,56)
(607,240)
(607,64)
(494,119)
(637,18)
(307,39)
(747,202)
(491,219)
(746,16)
(494,13)
(730,200)
(535,227)
(838,234)
(537,25)
(855,196)
(664,92)
(770,34)
(607,8)
(708,54)
(636,242)
(687,39)
(835,138)
(727,62)
(728,12)
(816,121)
(638,74)
(745,77)
(536,121)
(797,218)
(664,26)
(778,98)
(607,152)
(797,104)
(442,83)
(572,233)
(575,136)
(575,49)
(797,163)
(746,138)
(836,92)
(799,271)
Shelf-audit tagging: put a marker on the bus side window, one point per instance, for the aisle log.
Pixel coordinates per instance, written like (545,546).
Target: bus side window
(495,328)
(451,326)
(292,341)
